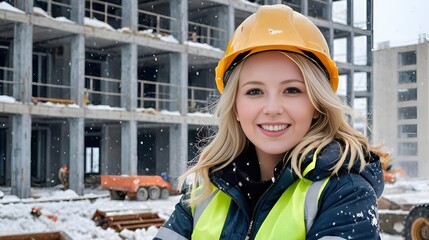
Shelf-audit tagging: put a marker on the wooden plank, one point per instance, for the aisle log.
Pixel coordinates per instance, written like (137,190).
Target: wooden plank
(35,100)
(34,236)
(120,220)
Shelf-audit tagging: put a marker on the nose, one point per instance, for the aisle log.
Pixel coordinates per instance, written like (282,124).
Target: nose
(273,106)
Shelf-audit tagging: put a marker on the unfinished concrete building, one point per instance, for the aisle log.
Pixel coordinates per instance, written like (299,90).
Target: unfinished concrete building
(124,86)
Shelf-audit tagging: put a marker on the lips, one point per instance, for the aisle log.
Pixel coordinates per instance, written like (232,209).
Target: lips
(274,128)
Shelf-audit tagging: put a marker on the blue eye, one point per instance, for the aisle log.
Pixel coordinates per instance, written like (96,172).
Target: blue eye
(253,91)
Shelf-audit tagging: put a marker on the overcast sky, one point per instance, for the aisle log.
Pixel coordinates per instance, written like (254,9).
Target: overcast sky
(400,21)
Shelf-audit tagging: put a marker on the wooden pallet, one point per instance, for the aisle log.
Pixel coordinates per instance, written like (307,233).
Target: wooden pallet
(130,219)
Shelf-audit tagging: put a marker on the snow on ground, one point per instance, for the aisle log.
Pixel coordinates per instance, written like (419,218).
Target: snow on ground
(73,217)
(74,212)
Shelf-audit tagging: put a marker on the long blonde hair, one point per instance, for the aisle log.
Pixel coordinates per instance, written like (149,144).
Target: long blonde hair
(332,123)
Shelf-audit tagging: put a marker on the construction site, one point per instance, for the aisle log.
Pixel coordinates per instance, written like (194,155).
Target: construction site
(125,87)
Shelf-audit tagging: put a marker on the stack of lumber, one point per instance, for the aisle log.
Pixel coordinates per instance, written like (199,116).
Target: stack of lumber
(130,219)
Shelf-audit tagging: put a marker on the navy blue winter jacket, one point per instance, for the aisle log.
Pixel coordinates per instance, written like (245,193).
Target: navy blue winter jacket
(347,206)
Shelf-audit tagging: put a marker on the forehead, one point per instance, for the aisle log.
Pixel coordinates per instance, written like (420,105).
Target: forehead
(270,64)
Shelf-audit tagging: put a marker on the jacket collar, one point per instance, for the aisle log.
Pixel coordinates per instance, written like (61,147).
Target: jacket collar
(226,178)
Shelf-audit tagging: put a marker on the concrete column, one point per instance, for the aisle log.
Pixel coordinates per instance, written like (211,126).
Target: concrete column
(130,14)
(129,91)
(129,102)
(22,62)
(231,22)
(226,18)
(77,55)
(21,155)
(178,151)
(129,148)
(179,77)
(350,15)
(77,14)
(304,7)
(129,76)
(179,11)
(24,5)
(328,10)
(369,59)
(77,69)
(77,83)
(21,124)
(76,168)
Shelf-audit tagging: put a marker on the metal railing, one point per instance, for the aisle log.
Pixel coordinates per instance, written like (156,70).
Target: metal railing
(160,24)
(63,7)
(104,11)
(6,81)
(106,91)
(160,95)
(202,33)
(200,99)
(49,90)
(157,95)
(103,91)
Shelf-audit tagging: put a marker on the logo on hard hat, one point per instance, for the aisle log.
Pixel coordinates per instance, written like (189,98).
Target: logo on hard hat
(274,31)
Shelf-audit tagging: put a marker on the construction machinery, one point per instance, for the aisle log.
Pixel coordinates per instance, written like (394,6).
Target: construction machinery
(404,209)
(136,187)
(404,206)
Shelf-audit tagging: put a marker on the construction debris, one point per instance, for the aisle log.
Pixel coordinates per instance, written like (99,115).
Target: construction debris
(36,212)
(130,219)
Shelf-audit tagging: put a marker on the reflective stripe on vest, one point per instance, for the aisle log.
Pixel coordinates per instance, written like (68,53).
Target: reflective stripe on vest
(284,219)
(166,233)
(214,209)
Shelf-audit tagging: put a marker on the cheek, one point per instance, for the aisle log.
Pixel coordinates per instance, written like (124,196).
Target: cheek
(304,112)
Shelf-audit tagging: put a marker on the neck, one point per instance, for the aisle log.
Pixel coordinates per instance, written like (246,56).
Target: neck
(267,163)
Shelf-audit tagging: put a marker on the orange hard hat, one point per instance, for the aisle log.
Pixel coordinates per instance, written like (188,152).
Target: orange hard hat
(276,27)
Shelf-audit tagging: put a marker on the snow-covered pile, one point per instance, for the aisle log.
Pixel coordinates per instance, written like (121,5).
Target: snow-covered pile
(73,217)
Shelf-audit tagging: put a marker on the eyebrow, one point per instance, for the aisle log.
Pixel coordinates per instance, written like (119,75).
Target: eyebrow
(283,82)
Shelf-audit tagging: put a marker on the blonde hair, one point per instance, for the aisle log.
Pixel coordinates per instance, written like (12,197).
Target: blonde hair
(332,123)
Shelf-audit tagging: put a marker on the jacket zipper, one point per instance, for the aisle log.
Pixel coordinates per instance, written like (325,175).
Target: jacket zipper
(257,206)
(249,230)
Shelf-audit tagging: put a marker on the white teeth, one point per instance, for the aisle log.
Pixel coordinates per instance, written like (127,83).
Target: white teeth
(274,128)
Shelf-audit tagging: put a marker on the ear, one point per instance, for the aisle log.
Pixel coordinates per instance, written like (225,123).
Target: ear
(316,114)
(236,117)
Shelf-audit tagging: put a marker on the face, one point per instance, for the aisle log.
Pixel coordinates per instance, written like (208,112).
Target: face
(272,104)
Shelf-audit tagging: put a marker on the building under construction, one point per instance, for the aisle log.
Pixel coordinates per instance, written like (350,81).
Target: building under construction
(125,86)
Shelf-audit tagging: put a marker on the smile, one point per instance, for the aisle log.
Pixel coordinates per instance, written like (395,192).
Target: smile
(274,128)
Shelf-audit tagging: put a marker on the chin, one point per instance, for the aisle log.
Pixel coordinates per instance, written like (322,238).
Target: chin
(275,151)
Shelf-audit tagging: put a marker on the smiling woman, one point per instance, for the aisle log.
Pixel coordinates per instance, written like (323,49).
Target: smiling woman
(284,162)
(273,107)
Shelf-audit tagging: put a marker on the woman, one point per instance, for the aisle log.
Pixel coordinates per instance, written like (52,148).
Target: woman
(285,163)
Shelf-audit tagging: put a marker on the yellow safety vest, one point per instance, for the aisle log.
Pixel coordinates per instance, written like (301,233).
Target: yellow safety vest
(284,219)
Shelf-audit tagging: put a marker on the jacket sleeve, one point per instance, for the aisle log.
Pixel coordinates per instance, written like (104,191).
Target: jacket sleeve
(180,224)
(347,210)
